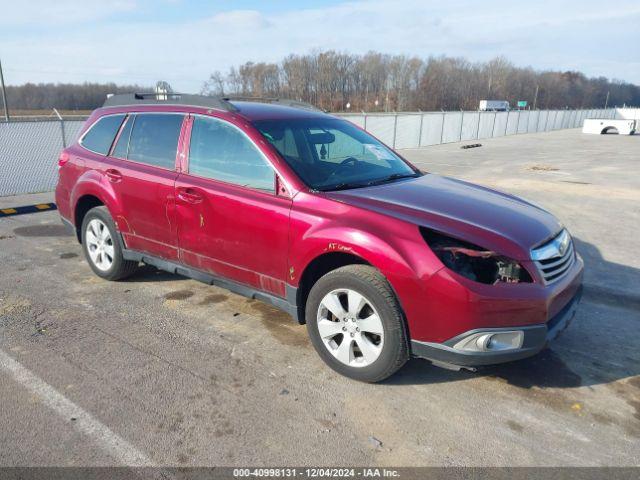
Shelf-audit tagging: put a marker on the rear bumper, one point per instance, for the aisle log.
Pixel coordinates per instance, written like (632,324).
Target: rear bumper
(535,338)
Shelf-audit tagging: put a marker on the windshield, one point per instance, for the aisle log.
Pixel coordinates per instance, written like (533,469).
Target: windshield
(333,154)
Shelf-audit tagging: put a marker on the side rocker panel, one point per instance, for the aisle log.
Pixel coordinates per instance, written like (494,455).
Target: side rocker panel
(240,289)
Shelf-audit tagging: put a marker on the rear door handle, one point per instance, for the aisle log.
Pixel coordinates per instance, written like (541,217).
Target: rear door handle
(189,195)
(114,176)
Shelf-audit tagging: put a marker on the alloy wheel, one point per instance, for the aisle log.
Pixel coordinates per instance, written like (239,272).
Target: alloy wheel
(99,244)
(350,327)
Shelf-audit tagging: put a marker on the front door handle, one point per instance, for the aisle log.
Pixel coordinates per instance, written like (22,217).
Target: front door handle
(188,195)
(113,175)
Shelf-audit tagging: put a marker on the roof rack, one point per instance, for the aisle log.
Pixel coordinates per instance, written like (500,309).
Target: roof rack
(280,101)
(168,99)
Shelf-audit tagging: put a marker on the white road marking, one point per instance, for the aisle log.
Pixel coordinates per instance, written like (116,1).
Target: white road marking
(111,443)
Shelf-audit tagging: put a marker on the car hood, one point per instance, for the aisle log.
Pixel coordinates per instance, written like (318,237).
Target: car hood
(491,219)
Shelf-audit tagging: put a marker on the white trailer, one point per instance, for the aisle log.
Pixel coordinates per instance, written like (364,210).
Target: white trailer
(493,106)
(601,126)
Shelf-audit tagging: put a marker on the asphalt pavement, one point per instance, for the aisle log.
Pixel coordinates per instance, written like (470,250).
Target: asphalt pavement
(163,370)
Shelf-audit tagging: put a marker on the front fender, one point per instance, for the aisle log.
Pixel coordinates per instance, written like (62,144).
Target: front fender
(371,248)
(396,248)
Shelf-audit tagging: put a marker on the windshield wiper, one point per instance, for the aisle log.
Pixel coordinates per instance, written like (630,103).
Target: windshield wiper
(348,185)
(391,178)
(343,186)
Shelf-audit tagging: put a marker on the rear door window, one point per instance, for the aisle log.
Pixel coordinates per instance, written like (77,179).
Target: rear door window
(100,136)
(154,139)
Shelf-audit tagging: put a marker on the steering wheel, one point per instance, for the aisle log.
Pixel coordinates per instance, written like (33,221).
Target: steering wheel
(350,161)
(347,161)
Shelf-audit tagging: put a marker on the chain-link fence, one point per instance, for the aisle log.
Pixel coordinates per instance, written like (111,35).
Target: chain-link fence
(29,152)
(29,149)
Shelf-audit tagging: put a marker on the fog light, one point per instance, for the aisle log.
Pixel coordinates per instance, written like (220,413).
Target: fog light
(506,340)
(483,342)
(491,341)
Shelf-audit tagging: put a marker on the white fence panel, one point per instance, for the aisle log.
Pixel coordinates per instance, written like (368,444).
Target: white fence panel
(523,119)
(451,129)
(627,114)
(551,121)
(500,126)
(487,121)
(542,121)
(359,120)
(432,124)
(532,121)
(408,131)
(382,127)
(411,130)
(512,123)
(29,150)
(565,119)
(469,128)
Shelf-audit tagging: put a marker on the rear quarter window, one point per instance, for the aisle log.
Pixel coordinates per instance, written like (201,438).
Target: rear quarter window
(100,136)
(154,139)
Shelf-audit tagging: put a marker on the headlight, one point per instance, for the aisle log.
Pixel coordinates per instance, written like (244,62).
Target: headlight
(474,262)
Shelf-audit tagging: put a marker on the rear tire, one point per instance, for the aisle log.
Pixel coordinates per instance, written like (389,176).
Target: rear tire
(355,304)
(101,246)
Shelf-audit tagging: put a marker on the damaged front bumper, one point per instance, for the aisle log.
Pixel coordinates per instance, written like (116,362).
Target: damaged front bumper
(488,346)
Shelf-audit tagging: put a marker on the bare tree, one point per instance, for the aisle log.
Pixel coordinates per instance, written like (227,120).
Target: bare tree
(371,82)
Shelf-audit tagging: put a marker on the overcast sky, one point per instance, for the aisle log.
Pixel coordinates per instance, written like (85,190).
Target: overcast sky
(182,41)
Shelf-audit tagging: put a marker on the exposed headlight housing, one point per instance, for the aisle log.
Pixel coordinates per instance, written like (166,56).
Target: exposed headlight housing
(474,262)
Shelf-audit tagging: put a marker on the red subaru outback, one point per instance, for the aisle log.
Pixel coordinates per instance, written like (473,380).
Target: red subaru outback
(283,203)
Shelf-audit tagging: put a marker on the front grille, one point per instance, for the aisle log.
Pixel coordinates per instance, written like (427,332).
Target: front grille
(555,257)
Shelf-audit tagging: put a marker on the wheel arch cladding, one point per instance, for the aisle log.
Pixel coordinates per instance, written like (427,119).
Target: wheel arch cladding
(317,268)
(83,205)
(92,184)
(325,263)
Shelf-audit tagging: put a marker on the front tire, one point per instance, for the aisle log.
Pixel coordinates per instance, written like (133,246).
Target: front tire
(101,246)
(356,325)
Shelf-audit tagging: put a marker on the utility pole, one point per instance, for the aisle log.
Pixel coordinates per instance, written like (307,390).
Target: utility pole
(535,98)
(4,96)
(606,102)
